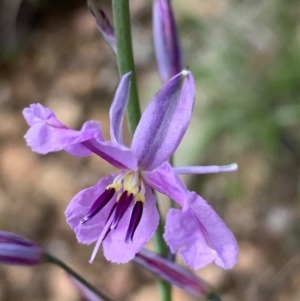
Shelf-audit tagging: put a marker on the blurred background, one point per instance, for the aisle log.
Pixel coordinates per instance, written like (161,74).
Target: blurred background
(245,56)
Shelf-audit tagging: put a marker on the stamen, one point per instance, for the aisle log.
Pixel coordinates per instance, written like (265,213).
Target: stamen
(102,236)
(121,208)
(142,188)
(135,179)
(105,235)
(120,177)
(99,204)
(133,188)
(134,221)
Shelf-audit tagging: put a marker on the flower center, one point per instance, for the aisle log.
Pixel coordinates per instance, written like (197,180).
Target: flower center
(128,188)
(130,182)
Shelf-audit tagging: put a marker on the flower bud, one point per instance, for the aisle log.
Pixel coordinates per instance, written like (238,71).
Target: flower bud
(166,41)
(104,26)
(17,250)
(174,274)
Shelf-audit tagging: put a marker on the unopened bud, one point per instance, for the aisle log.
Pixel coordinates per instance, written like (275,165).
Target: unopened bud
(104,25)
(17,250)
(174,274)
(166,41)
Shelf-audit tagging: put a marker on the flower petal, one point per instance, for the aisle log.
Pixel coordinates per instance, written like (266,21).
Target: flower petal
(164,121)
(167,48)
(47,134)
(164,180)
(37,113)
(183,235)
(114,246)
(118,107)
(79,149)
(81,203)
(199,235)
(179,170)
(117,155)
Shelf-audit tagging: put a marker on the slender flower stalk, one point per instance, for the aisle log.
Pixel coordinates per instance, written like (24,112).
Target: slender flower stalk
(166,40)
(85,291)
(17,250)
(84,287)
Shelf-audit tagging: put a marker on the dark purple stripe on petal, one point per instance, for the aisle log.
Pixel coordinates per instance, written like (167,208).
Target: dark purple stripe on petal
(134,220)
(122,206)
(18,260)
(99,204)
(117,155)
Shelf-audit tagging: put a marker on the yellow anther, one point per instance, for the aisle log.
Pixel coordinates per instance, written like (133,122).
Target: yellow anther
(131,183)
(116,186)
(140,197)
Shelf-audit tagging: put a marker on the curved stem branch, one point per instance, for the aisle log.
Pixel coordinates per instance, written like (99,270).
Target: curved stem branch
(61,264)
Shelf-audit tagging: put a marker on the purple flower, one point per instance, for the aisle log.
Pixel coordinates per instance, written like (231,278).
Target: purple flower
(17,250)
(120,211)
(166,41)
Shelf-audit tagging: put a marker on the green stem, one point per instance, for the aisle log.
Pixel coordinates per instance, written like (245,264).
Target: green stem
(71,272)
(213,297)
(165,288)
(122,27)
(159,243)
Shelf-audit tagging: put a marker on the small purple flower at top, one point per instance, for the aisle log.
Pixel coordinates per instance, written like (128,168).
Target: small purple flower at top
(120,211)
(166,40)
(17,250)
